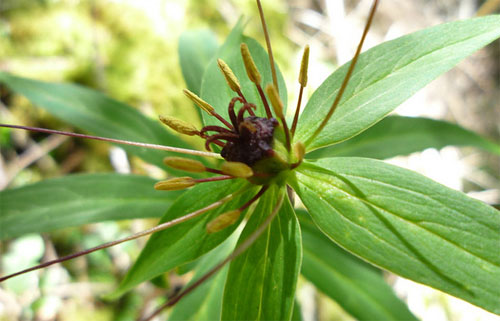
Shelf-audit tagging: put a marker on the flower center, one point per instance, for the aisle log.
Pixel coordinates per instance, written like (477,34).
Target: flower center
(253,143)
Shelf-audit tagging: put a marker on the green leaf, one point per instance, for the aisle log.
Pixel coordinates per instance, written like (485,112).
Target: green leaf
(205,302)
(189,240)
(397,135)
(96,113)
(357,286)
(196,49)
(408,224)
(261,282)
(214,88)
(388,74)
(79,199)
(297,312)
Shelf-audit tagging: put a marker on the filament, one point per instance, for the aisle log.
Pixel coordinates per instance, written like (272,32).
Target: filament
(239,250)
(268,43)
(117,141)
(152,230)
(347,76)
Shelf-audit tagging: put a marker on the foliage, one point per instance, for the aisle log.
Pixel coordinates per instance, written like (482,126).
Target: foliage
(393,218)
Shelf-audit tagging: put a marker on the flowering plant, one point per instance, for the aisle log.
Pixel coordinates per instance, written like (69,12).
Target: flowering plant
(390,217)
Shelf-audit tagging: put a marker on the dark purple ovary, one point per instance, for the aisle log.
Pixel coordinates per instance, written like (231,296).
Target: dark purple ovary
(254,142)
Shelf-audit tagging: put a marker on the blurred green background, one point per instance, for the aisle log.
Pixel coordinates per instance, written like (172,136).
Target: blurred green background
(129,50)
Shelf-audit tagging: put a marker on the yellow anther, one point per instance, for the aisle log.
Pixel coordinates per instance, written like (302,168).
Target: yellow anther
(237,169)
(300,151)
(222,221)
(303,67)
(184,164)
(252,71)
(179,125)
(275,99)
(198,101)
(175,183)
(231,79)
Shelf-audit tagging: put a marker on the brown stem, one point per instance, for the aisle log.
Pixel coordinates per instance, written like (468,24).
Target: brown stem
(213,170)
(239,250)
(256,197)
(116,141)
(268,44)
(297,111)
(347,76)
(287,133)
(241,96)
(152,230)
(264,101)
(221,119)
(213,179)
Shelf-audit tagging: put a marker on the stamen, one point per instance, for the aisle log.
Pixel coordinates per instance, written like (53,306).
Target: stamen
(185,164)
(254,76)
(231,79)
(176,183)
(277,104)
(189,165)
(198,101)
(252,71)
(206,107)
(228,218)
(268,44)
(303,67)
(237,169)
(253,199)
(264,101)
(299,150)
(179,126)
(347,76)
(303,83)
(117,141)
(214,179)
(275,100)
(222,221)
(152,230)
(214,171)
(239,250)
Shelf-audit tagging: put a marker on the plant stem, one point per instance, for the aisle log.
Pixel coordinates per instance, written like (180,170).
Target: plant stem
(239,250)
(152,230)
(116,141)
(268,44)
(264,101)
(297,111)
(213,179)
(347,76)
